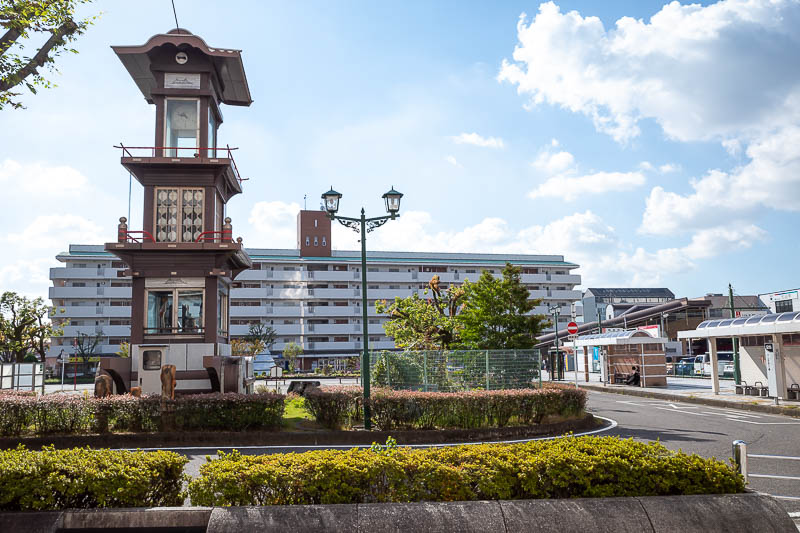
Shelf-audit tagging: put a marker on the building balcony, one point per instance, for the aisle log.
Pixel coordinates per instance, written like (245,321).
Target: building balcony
(104,330)
(89,292)
(84,273)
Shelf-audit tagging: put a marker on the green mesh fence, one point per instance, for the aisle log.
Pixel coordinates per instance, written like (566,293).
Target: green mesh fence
(456,370)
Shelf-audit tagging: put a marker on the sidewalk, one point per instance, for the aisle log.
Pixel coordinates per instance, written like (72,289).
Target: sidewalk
(693,390)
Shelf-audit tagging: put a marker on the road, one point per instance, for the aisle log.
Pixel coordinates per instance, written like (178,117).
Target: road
(709,431)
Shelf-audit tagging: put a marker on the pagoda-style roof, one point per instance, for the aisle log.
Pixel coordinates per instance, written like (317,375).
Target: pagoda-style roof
(227,64)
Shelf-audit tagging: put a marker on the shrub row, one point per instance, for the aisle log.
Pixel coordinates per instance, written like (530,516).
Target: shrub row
(83,478)
(73,413)
(563,468)
(337,406)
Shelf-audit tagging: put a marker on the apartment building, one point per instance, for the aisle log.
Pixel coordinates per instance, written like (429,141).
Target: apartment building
(310,295)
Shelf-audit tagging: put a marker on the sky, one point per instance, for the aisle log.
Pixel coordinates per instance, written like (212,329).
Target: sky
(653,144)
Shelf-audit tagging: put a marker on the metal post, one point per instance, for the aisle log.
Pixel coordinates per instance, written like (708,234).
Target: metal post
(425,370)
(740,458)
(365,372)
(737,374)
(487,369)
(539,353)
(575,360)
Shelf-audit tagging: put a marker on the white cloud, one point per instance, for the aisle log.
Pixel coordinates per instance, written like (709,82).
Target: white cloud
(570,188)
(274,223)
(668,168)
(476,140)
(453,161)
(702,73)
(56,231)
(554,163)
(647,166)
(41,179)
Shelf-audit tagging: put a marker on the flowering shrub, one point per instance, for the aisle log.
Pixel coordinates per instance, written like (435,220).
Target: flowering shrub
(334,407)
(72,413)
(83,478)
(562,468)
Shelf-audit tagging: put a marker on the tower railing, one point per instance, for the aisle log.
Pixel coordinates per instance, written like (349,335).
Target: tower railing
(183,152)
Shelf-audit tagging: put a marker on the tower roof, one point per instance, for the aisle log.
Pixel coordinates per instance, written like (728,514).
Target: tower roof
(227,64)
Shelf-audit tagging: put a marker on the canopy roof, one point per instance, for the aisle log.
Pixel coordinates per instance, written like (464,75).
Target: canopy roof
(631,336)
(227,64)
(739,327)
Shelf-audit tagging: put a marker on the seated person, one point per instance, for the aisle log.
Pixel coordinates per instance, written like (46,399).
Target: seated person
(633,379)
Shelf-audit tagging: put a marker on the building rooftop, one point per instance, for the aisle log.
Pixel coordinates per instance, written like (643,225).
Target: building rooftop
(631,292)
(261,254)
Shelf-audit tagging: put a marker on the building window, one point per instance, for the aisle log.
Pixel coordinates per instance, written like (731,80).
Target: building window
(182,127)
(308,241)
(316,241)
(163,317)
(212,135)
(151,359)
(783,306)
(179,214)
(316,222)
(324,242)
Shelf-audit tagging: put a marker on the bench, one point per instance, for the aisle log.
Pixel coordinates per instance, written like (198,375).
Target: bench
(793,392)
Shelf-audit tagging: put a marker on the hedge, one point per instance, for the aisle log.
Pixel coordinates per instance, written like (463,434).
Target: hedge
(74,413)
(338,406)
(563,468)
(83,478)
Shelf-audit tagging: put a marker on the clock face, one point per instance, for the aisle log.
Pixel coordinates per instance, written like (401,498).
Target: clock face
(181,58)
(183,115)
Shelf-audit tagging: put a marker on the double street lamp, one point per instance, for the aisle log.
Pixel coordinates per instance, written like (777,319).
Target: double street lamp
(363,226)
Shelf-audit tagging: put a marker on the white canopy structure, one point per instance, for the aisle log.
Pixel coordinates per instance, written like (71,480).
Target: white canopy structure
(769,348)
(625,349)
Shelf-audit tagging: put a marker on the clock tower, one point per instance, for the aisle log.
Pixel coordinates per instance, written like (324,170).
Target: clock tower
(184,258)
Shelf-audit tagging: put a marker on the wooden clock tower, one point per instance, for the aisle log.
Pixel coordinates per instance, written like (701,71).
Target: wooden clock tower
(184,258)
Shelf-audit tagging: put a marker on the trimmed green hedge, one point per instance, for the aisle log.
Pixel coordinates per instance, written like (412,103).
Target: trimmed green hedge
(562,468)
(75,413)
(83,478)
(335,407)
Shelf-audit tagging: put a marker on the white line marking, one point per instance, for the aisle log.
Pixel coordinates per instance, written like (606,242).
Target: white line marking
(612,425)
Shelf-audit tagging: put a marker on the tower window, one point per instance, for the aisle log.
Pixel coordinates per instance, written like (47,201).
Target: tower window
(324,242)
(316,241)
(308,241)
(315,222)
(179,214)
(182,125)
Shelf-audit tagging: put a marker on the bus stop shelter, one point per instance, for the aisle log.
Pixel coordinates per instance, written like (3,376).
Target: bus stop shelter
(769,349)
(620,351)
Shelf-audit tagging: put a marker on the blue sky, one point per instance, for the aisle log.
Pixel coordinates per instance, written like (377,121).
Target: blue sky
(652,144)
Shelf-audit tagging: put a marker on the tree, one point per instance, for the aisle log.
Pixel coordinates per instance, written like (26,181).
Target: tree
(259,337)
(290,352)
(26,21)
(495,316)
(24,327)
(124,350)
(424,324)
(86,345)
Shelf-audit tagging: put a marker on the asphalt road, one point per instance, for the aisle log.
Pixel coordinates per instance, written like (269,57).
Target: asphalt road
(710,431)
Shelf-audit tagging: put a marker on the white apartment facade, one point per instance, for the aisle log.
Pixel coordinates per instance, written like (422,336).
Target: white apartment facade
(311,300)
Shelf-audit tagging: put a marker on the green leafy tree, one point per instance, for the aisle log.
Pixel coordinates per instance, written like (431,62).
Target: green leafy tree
(23,22)
(25,327)
(259,337)
(495,316)
(290,352)
(124,350)
(424,324)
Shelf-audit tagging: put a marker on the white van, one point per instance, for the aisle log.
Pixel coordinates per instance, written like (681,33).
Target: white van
(702,364)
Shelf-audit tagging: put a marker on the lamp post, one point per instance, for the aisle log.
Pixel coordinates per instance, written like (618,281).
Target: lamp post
(554,310)
(364,225)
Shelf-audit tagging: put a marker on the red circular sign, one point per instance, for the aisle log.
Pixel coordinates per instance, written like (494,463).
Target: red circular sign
(572,328)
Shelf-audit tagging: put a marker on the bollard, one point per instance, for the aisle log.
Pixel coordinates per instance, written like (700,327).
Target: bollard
(740,457)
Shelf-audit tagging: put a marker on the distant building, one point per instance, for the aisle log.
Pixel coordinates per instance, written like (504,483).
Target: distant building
(615,302)
(310,295)
(744,306)
(781,301)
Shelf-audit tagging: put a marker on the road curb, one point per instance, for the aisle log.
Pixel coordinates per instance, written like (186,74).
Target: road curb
(770,409)
(699,513)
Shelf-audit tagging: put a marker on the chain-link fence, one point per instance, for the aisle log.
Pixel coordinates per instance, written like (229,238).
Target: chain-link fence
(456,370)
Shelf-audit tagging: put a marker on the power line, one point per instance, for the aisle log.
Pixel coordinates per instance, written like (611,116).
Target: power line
(176,15)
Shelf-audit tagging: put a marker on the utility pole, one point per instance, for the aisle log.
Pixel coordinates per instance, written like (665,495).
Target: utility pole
(737,375)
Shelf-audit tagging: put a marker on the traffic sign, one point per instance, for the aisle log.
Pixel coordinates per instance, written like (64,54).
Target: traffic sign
(572,328)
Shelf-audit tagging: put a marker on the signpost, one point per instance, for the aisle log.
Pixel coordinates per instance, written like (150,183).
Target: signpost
(276,372)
